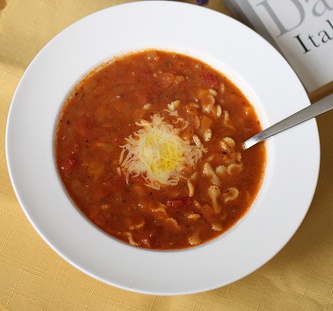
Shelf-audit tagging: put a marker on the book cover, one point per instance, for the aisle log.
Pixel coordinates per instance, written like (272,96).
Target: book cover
(302,30)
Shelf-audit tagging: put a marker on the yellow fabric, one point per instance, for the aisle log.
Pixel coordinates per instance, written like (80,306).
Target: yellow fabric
(34,277)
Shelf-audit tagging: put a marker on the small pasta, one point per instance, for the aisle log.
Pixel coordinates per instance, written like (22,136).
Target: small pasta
(208,171)
(214,192)
(230,194)
(194,239)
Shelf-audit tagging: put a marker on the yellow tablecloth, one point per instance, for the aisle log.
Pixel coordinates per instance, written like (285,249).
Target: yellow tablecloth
(34,277)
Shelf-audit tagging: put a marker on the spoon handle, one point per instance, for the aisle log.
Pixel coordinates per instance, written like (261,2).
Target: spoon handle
(305,114)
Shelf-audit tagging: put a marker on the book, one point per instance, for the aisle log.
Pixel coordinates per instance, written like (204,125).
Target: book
(302,31)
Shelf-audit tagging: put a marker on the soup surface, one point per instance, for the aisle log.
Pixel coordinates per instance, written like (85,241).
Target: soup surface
(148,146)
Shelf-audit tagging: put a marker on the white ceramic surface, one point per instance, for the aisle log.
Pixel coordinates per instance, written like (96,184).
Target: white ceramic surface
(248,60)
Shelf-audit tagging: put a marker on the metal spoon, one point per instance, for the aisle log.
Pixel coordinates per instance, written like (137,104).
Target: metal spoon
(305,114)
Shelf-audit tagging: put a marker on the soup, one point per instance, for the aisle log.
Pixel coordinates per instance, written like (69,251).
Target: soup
(148,147)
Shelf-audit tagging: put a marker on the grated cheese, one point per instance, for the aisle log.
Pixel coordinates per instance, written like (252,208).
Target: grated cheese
(157,153)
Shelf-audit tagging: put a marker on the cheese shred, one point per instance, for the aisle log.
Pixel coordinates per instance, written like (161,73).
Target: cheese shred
(157,153)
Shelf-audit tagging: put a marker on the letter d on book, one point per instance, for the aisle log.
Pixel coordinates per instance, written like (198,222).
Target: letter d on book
(278,22)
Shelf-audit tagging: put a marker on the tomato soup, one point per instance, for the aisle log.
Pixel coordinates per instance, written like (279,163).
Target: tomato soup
(148,147)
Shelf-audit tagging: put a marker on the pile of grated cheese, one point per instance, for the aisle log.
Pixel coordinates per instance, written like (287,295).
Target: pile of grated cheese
(157,153)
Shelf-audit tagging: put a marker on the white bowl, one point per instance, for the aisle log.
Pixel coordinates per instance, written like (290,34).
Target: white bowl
(248,60)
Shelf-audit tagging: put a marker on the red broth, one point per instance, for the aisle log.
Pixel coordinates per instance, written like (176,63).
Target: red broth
(148,147)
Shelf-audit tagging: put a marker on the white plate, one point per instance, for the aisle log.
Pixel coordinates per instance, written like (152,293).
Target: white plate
(262,74)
